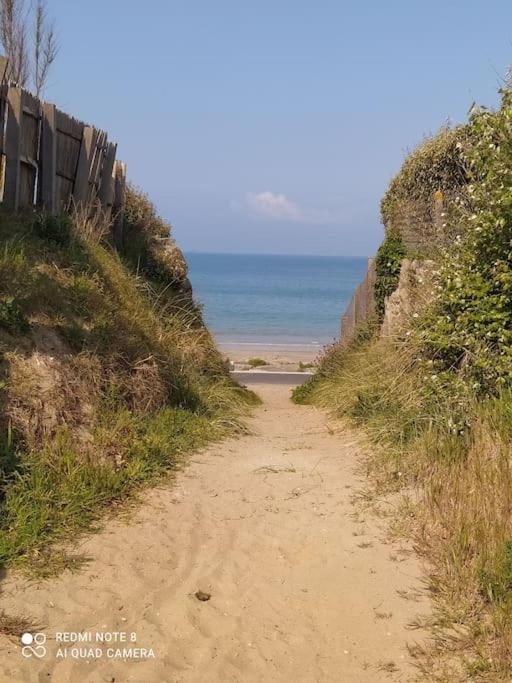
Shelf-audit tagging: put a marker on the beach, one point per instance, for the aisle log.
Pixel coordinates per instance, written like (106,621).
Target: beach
(277,357)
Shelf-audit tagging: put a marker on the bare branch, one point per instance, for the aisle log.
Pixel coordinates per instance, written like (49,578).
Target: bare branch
(13,36)
(45,47)
(29,41)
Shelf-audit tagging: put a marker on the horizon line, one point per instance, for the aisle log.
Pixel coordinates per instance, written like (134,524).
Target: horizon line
(267,253)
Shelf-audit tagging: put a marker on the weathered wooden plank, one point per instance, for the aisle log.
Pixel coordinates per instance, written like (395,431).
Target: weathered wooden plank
(68,151)
(29,148)
(81,187)
(30,103)
(69,125)
(119,202)
(64,191)
(12,149)
(106,193)
(69,138)
(4,62)
(360,303)
(97,164)
(348,323)
(48,160)
(29,136)
(27,185)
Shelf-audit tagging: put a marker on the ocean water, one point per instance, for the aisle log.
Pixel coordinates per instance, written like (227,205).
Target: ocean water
(278,300)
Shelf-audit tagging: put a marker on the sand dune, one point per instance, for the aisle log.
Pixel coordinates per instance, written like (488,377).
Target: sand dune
(300,589)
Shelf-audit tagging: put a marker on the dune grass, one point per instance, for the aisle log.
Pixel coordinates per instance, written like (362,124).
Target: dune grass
(257,362)
(107,380)
(455,480)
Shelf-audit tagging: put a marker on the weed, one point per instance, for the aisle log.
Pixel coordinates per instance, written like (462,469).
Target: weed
(256,362)
(12,317)
(54,229)
(14,625)
(305,366)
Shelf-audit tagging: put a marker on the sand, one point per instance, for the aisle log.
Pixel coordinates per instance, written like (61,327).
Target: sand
(278,356)
(301,589)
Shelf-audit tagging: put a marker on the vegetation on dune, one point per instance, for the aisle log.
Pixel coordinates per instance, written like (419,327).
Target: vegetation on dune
(107,377)
(437,165)
(147,244)
(256,362)
(468,330)
(437,402)
(305,365)
(387,269)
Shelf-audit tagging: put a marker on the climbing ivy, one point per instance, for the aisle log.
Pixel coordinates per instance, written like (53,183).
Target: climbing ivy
(388,263)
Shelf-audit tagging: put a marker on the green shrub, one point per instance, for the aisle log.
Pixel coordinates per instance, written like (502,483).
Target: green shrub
(305,366)
(147,243)
(12,318)
(302,392)
(388,263)
(55,229)
(468,328)
(437,164)
(256,362)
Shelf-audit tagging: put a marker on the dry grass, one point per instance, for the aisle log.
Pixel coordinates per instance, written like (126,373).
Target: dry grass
(91,221)
(456,499)
(107,378)
(15,626)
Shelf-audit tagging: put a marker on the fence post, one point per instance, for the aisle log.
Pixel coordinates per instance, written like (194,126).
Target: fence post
(4,62)
(106,193)
(48,193)
(119,202)
(3,101)
(100,140)
(12,149)
(370,286)
(348,323)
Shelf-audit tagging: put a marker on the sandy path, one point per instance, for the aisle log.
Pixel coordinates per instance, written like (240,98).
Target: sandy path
(300,591)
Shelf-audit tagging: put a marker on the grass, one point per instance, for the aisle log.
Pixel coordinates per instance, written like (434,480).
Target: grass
(15,626)
(256,362)
(130,376)
(457,484)
(56,492)
(305,366)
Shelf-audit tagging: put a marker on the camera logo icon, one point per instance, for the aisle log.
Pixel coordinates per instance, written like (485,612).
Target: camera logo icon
(33,645)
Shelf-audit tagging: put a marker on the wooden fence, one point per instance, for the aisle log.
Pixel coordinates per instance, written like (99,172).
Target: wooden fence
(54,161)
(361,306)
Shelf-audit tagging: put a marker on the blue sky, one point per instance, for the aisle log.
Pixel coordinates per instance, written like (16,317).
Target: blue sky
(275,126)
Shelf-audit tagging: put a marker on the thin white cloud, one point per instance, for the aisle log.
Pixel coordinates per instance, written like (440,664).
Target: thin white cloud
(273,205)
(278,207)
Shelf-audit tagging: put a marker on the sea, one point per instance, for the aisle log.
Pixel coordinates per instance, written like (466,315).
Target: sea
(274,300)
